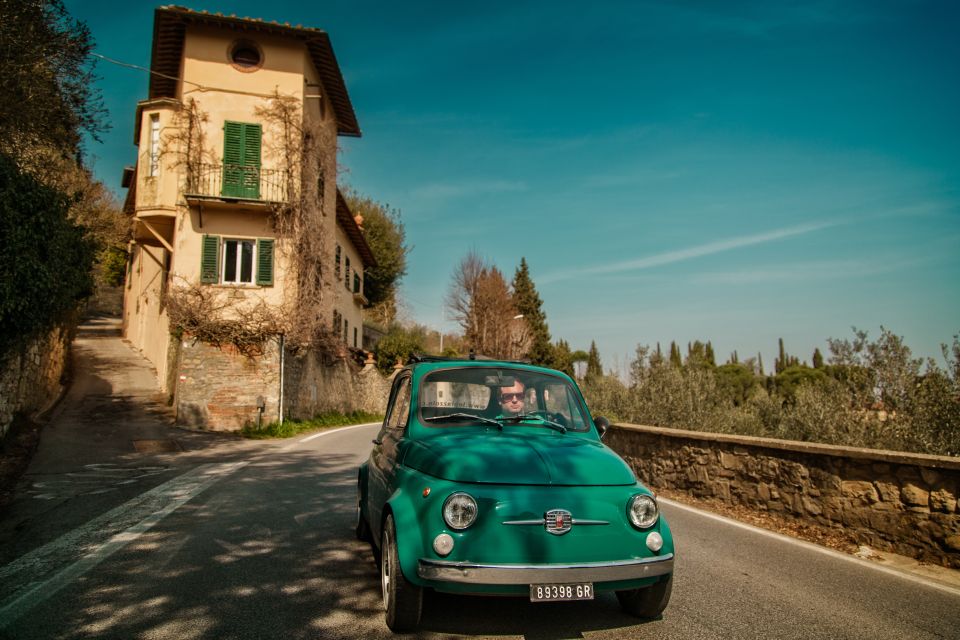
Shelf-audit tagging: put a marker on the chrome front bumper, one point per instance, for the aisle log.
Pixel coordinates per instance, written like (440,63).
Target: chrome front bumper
(472,573)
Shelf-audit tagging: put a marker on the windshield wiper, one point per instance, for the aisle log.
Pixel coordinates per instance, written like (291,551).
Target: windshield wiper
(463,416)
(532,416)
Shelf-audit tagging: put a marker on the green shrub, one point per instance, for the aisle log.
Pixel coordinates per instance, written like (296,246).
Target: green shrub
(45,269)
(788,381)
(113,266)
(399,344)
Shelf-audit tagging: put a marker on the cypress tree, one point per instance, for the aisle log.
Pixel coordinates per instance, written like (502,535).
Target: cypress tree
(697,355)
(675,354)
(656,358)
(711,358)
(528,302)
(760,363)
(594,367)
(817,359)
(562,357)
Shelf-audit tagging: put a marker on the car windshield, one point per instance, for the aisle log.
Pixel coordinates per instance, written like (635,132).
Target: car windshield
(500,396)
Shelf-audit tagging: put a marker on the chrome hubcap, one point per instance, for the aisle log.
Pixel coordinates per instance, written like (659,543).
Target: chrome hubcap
(386,550)
(358,507)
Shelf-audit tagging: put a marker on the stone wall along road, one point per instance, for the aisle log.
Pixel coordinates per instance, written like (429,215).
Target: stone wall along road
(898,502)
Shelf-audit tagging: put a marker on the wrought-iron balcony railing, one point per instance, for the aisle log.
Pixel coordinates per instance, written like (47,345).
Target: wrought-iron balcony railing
(236,181)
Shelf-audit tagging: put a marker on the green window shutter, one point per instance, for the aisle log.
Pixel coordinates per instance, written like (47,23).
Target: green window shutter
(241,159)
(265,262)
(232,158)
(251,145)
(210,260)
(251,160)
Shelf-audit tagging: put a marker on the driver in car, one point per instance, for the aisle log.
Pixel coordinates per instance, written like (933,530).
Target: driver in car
(512,399)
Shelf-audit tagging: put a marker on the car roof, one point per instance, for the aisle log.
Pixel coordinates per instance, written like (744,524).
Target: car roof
(423,364)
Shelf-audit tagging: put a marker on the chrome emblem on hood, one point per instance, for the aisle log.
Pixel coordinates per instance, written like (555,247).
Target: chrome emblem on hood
(558,521)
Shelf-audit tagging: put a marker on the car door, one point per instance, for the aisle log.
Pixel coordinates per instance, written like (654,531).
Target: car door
(383,456)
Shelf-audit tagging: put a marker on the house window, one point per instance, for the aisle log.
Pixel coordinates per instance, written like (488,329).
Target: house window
(336,322)
(346,330)
(338,263)
(246,56)
(346,274)
(238,260)
(154,144)
(354,337)
(356,282)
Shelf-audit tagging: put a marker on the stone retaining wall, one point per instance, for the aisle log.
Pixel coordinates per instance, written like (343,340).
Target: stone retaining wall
(904,503)
(219,388)
(316,383)
(30,378)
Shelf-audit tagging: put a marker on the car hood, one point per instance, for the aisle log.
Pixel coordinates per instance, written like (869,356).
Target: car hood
(546,458)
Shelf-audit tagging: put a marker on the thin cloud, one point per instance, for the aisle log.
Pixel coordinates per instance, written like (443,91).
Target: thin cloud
(802,272)
(444,191)
(690,253)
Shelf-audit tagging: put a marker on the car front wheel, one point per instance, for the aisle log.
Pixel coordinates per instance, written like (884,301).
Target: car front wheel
(401,600)
(648,602)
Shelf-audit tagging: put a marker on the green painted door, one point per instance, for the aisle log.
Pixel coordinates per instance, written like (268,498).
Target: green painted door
(241,160)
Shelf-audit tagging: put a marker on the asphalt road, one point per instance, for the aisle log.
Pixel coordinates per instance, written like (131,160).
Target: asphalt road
(259,544)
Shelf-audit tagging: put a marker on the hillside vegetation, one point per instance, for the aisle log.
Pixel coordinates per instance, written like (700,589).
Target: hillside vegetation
(870,394)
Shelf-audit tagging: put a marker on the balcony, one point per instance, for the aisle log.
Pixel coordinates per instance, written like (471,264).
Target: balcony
(233,182)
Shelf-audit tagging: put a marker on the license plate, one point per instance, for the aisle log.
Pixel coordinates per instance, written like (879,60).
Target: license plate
(561,592)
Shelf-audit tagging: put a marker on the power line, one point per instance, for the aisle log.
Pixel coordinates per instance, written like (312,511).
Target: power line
(199,87)
(129,65)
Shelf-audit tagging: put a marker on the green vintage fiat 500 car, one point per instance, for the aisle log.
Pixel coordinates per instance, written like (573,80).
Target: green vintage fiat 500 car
(490,477)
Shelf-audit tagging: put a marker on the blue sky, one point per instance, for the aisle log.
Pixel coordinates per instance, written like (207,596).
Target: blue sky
(735,171)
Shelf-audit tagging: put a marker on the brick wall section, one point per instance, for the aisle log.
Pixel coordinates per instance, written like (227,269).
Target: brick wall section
(218,388)
(30,378)
(892,501)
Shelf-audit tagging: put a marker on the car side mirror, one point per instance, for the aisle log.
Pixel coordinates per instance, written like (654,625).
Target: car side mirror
(602,425)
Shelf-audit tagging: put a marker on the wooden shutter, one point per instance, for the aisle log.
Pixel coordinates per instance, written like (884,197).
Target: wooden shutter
(210,260)
(232,158)
(251,160)
(265,262)
(241,160)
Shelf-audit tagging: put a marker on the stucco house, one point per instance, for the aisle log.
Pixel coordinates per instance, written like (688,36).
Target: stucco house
(215,165)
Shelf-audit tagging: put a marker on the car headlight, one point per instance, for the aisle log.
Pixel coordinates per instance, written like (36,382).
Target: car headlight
(643,512)
(459,511)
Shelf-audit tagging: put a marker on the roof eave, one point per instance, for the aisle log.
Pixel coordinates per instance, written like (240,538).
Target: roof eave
(169,26)
(353,231)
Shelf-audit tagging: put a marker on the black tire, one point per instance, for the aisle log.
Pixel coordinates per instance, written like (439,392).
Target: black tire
(402,601)
(362,528)
(648,602)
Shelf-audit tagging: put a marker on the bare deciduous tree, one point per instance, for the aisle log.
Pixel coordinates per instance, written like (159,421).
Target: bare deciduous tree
(481,302)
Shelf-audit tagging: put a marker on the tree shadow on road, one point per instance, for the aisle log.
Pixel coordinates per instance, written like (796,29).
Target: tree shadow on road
(270,552)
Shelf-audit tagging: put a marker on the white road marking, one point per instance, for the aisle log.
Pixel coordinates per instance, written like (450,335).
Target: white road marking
(29,572)
(813,547)
(36,576)
(326,433)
